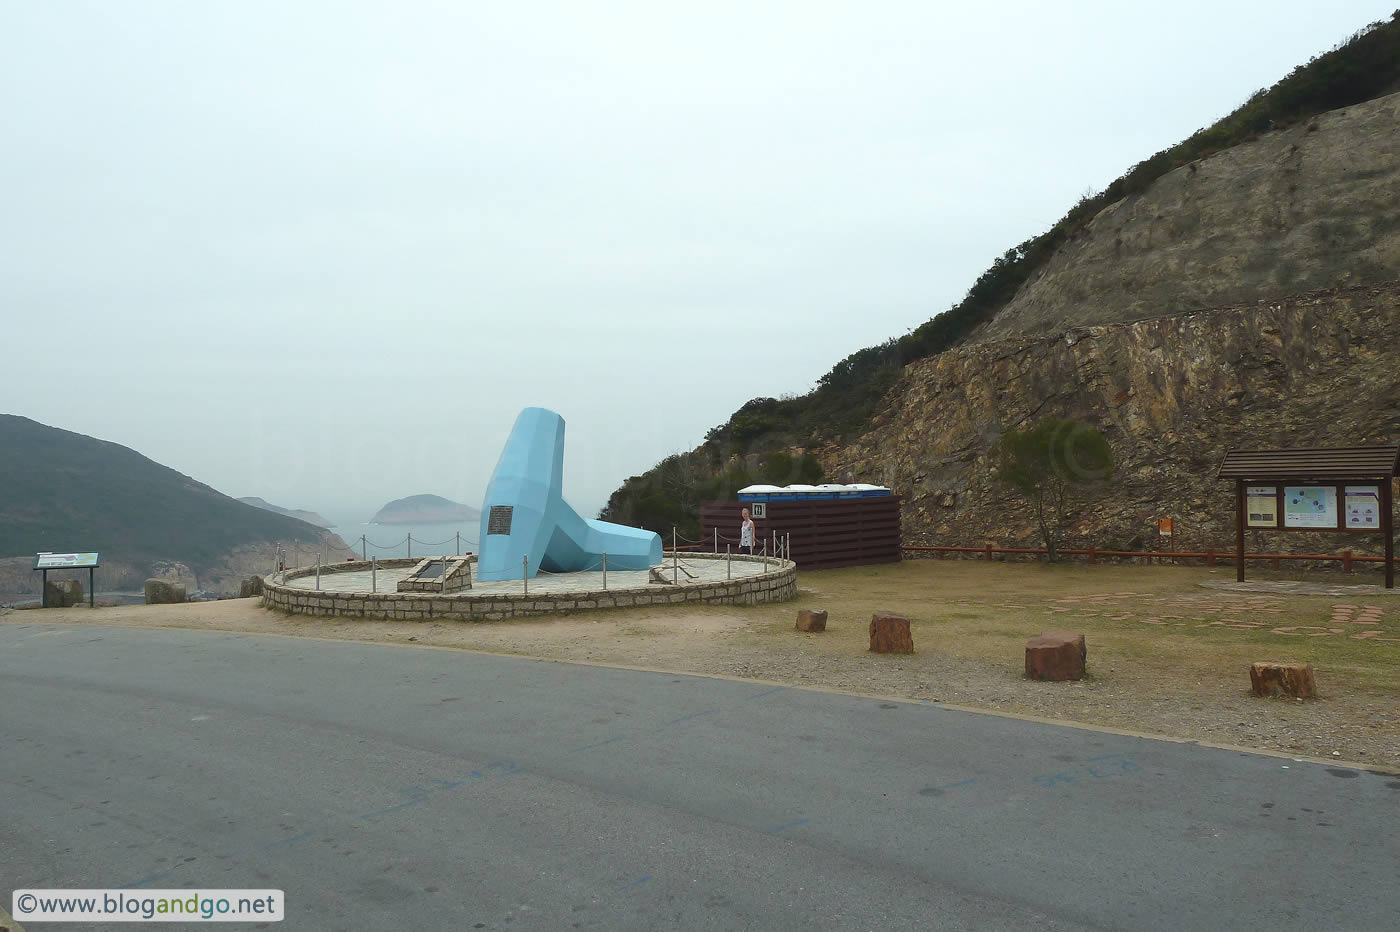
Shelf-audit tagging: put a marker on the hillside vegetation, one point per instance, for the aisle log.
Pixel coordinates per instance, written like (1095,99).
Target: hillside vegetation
(845,399)
(63,491)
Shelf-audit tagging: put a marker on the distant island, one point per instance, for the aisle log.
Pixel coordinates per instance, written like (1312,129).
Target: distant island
(310,517)
(424,509)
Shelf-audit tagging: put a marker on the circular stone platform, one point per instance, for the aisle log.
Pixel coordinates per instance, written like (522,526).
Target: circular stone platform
(345,589)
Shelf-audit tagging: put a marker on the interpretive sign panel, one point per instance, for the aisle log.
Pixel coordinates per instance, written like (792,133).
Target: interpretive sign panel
(1310,506)
(1363,507)
(1261,505)
(64,561)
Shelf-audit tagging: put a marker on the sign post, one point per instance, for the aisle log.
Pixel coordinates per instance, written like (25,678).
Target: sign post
(65,561)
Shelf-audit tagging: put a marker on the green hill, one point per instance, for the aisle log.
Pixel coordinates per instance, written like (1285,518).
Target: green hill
(63,491)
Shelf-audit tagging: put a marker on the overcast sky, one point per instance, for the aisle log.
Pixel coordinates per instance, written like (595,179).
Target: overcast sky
(324,252)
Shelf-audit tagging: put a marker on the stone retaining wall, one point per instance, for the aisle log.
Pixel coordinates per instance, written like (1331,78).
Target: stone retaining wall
(776,585)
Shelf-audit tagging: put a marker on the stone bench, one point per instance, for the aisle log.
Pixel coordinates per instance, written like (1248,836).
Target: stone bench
(1294,680)
(889,634)
(1056,655)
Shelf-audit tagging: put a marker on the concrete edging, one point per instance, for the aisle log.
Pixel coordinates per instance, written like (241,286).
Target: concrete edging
(777,585)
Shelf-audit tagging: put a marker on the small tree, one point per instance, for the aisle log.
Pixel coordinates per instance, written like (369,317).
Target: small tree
(1044,462)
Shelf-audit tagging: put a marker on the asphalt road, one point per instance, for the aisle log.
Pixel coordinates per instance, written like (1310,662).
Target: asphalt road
(402,788)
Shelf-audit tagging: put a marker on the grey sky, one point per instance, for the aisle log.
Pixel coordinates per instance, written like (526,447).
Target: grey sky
(325,252)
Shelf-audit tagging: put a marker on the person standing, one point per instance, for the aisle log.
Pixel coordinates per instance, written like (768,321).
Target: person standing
(747,533)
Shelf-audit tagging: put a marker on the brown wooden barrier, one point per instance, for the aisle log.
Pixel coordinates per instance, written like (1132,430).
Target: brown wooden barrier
(1346,557)
(824,533)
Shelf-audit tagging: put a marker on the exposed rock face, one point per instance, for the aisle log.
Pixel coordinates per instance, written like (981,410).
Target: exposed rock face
(1171,394)
(1314,206)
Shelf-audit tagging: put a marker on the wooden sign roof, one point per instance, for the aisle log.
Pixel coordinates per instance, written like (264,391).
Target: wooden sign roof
(1320,463)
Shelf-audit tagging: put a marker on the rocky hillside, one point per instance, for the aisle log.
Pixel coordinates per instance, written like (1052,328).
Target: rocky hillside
(1171,394)
(1296,192)
(1314,206)
(64,491)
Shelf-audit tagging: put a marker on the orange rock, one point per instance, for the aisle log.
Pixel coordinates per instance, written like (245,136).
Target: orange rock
(1287,679)
(889,634)
(1056,655)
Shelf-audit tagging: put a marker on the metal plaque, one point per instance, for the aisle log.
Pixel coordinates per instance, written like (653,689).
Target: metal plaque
(498,522)
(431,571)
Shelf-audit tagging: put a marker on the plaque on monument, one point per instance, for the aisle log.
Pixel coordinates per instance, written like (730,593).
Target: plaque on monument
(499,520)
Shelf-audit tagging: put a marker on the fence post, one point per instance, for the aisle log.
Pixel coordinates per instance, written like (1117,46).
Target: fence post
(787,546)
(318,572)
(442,587)
(364,548)
(525,572)
(675,562)
(716,540)
(1277,563)
(1093,555)
(410,544)
(765,556)
(1210,557)
(728,563)
(989,551)
(1346,562)
(459,543)
(605,572)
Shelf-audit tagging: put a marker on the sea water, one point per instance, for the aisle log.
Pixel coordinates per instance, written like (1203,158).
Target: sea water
(409,540)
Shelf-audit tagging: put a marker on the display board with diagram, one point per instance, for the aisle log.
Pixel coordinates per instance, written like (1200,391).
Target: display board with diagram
(1346,490)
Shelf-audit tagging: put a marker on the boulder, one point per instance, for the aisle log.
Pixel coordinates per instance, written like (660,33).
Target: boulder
(164,592)
(809,620)
(1294,680)
(889,634)
(61,593)
(251,586)
(1056,655)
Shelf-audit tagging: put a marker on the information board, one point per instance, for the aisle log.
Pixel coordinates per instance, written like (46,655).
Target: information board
(64,561)
(1310,506)
(1362,507)
(1261,506)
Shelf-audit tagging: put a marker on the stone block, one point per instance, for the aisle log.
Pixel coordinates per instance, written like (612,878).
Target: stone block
(890,634)
(61,593)
(811,620)
(1056,655)
(1294,680)
(164,592)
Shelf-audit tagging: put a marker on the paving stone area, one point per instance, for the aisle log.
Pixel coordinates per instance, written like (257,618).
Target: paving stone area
(1290,587)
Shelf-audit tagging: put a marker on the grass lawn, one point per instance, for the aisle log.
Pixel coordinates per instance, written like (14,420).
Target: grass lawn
(1153,624)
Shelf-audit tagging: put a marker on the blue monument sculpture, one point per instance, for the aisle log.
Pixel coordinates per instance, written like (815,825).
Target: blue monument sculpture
(525,515)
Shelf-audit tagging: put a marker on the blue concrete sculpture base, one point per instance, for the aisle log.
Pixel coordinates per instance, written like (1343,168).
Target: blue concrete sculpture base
(525,515)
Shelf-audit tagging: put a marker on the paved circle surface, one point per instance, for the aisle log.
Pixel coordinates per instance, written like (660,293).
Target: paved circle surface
(386,787)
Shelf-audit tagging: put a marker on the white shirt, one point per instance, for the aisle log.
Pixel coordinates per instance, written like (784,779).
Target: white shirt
(746,533)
